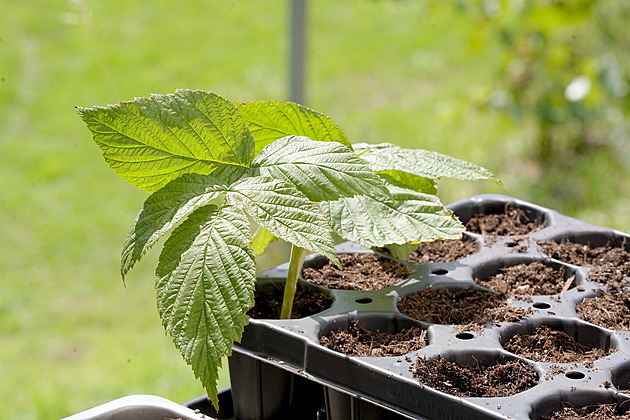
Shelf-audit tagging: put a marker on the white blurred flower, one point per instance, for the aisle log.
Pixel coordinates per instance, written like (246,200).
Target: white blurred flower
(578,88)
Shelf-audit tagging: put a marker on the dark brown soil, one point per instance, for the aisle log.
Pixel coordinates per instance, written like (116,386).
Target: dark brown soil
(359,272)
(500,380)
(306,303)
(358,341)
(443,251)
(610,265)
(513,221)
(552,346)
(609,310)
(528,279)
(591,412)
(459,307)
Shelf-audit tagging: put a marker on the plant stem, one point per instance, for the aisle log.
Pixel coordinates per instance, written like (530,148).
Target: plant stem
(295,267)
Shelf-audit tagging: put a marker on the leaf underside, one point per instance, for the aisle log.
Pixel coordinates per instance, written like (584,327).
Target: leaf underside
(269,121)
(151,141)
(412,216)
(422,163)
(206,276)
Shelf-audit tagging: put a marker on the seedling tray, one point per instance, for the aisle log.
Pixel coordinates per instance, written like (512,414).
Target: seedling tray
(299,369)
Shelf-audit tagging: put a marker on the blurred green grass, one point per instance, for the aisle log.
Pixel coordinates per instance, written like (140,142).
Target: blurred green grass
(73,336)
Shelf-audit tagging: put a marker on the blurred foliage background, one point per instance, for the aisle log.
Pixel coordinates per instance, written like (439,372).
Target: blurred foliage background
(536,91)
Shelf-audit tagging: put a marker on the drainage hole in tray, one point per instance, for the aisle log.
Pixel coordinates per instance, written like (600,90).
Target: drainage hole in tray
(465,336)
(439,271)
(574,375)
(363,300)
(541,305)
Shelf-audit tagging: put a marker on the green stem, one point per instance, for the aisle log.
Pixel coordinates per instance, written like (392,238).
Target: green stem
(295,267)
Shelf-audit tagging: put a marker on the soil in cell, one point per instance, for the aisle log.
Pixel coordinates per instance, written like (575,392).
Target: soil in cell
(552,346)
(616,411)
(499,380)
(608,310)
(358,272)
(529,279)
(513,221)
(459,307)
(359,341)
(608,265)
(307,302)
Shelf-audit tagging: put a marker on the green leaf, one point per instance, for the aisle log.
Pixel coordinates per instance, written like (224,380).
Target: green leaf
(402,251)
(407,180)
(412,216)
(151,141)
(269,121)
(262,239)
(206,276)
(285,212)
(423,163)
(323,171)
(165,209)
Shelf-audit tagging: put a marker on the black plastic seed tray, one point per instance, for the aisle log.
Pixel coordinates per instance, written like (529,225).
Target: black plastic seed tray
(280,370)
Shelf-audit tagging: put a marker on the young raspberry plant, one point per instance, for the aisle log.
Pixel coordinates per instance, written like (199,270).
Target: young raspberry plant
(213,167)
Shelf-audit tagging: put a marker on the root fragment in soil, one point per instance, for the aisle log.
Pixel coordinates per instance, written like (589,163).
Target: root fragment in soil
(608,310)
(527,279)
(609,265)
(358,272)
(513,221)
(359,341)
(498,380)
(459,307)
(552,346)
(614,411)
(306,303)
